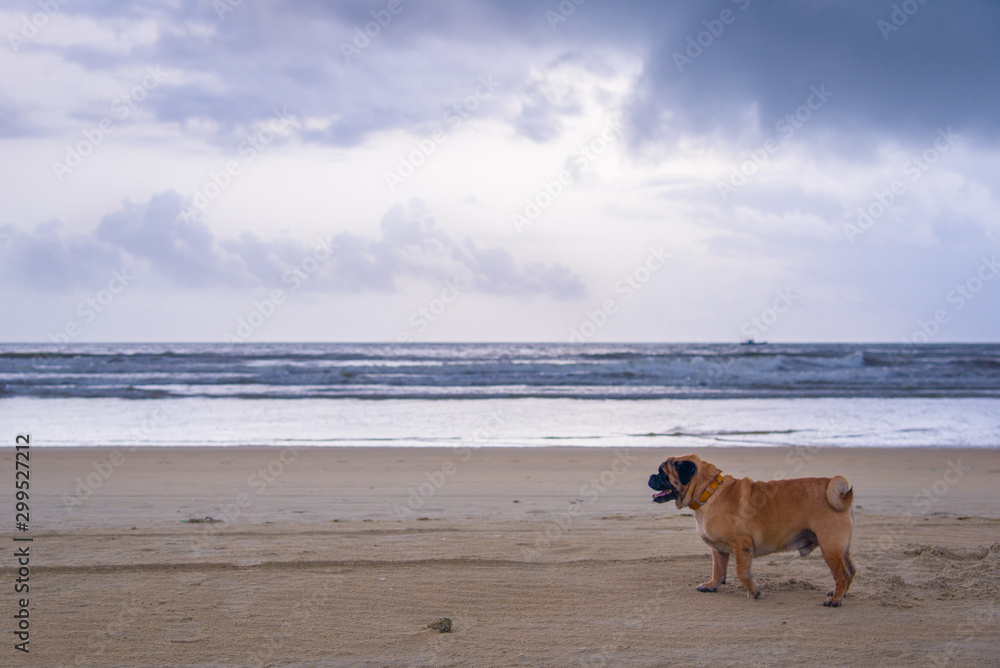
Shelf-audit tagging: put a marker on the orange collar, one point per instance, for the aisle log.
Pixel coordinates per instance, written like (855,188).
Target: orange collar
(707,493)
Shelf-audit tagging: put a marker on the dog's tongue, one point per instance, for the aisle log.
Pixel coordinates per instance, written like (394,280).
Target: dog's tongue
(660,494)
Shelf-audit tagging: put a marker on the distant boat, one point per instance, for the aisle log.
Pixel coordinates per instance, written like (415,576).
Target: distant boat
(752,342)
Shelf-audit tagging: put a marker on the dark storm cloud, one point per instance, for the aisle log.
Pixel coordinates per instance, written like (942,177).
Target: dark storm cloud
(937,69)
(172,249)
(909,74)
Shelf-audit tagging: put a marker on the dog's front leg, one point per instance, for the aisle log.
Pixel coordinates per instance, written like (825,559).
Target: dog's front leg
(720,562)
(744,559)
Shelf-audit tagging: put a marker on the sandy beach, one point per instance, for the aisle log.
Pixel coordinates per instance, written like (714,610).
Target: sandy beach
(540,557)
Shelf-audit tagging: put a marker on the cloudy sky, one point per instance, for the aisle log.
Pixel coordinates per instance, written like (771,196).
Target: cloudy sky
(484,170)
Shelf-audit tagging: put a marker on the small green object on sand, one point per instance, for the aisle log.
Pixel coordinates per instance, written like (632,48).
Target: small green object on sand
(441,626)
(200,520)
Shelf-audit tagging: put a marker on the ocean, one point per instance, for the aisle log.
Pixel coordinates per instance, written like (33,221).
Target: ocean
(656,395)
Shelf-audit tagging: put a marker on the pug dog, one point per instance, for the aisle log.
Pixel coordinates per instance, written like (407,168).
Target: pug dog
(745,518)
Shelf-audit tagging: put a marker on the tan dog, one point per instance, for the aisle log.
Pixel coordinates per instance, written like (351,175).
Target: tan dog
(746,518)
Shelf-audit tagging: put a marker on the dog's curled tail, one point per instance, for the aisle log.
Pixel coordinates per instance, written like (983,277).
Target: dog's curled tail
(839,493)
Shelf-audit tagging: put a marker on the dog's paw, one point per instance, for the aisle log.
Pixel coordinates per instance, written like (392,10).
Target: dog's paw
(832,603)
(753,594)
(706,588)
(832,592)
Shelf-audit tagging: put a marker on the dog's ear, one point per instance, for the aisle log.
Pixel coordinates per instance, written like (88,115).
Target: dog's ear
(685,470)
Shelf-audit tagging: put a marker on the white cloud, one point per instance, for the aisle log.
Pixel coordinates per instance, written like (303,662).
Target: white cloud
(171,249)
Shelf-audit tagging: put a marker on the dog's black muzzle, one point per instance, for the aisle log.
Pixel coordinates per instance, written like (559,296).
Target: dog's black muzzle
(661,484)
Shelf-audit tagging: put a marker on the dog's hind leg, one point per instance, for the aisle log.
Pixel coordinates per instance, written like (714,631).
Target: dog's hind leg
(850,569)
(744,559)
(720,562)
(837,559)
